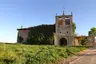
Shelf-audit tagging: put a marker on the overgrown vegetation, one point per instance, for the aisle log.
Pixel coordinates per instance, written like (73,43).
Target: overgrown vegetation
(39,39)
(34,54)
(19,39)
(43,34)
(84,41)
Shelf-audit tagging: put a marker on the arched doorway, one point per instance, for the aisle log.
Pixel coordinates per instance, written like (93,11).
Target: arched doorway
(63,42)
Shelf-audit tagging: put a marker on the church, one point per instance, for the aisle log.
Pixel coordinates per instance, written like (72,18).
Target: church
(63,35)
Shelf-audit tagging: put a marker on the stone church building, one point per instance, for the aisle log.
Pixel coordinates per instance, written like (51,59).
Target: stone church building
(63,30)
(63,35)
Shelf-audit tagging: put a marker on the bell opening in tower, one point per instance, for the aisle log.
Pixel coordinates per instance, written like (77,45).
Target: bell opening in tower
(67,21)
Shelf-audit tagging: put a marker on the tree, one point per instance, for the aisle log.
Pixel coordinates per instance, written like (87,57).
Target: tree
(73,28)
(83,41)
(92,32)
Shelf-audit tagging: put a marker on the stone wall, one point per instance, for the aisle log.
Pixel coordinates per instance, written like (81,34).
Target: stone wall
(23,34)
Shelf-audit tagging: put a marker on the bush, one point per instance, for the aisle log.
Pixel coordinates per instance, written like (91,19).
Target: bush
(19,39)
(40,39)
(83,41)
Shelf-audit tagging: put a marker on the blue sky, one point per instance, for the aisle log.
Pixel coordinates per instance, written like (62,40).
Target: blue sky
(14,13)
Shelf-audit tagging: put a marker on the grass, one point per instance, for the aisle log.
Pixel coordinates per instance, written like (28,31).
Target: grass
(34,54)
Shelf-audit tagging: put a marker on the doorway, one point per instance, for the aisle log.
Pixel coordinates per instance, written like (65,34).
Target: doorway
(63,42)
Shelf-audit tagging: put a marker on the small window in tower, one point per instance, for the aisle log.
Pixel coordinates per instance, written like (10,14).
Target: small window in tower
(67,21)
(60,32)
(67,31)
(60,22)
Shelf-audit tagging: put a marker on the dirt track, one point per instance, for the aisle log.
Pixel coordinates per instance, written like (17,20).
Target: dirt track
(87,58)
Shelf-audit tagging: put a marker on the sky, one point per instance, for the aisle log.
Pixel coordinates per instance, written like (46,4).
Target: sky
(15,13)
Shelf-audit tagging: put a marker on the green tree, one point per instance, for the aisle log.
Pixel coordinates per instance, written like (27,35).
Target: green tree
(83,41)
(73,28)
(92,32)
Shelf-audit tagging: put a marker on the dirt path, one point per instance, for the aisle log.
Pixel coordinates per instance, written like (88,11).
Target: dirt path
(87,58)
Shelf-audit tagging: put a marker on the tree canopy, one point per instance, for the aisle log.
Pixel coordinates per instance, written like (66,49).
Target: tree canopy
(92,31)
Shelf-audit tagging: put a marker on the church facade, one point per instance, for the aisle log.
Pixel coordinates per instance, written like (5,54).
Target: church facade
(63,30)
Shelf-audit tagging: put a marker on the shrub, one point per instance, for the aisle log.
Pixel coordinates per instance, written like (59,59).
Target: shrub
(40,39)
(36,39)
(83,41)
(19,39)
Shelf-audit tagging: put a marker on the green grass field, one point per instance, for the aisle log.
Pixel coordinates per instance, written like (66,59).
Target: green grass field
(34,54)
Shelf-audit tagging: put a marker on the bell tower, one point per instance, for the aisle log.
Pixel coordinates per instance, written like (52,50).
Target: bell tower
(63,30)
